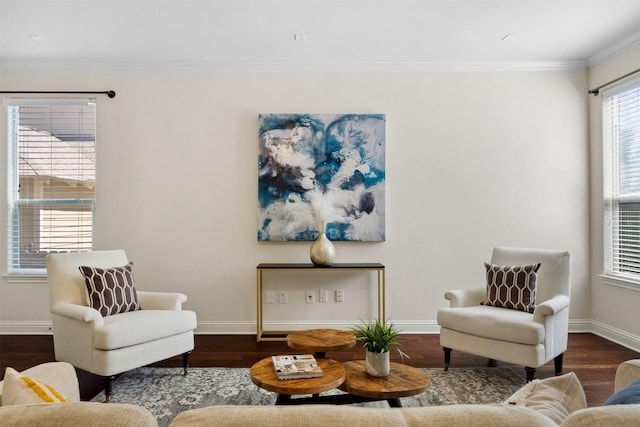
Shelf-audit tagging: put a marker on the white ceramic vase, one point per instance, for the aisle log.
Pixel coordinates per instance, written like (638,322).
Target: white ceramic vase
(377,364)
(322,250)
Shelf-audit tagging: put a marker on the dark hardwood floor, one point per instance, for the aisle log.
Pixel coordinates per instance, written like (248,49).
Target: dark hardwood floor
(592,358)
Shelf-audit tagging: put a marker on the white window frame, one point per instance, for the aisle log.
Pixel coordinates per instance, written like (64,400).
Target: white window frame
(14,244)
(620,239)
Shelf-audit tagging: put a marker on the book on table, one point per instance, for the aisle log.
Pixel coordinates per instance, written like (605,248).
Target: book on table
(298,366)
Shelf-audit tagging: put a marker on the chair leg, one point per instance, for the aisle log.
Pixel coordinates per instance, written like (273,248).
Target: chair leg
(531,372)
(108,385)
(557,363)
(185,361)
(492,363)
(447,358)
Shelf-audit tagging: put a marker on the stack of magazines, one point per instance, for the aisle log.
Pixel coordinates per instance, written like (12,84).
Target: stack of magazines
(296,366)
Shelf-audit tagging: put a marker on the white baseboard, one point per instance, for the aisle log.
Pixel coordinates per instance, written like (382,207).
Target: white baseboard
(25,328)
(247,328)
(407,327)
(616,335)
(234,328)
(579,325)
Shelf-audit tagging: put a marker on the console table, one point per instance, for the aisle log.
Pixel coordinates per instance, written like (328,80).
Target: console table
(311,268)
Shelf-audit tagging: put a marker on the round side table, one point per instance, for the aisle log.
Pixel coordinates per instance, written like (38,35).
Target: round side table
(402,381)
(320,341)
(264,376)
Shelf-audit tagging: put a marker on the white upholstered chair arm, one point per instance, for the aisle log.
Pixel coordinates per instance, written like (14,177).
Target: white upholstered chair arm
(550,307)
(466,297)
(77,312)
(161,300)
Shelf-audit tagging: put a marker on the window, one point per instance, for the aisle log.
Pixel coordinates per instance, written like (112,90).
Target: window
(621,138)
(52,180)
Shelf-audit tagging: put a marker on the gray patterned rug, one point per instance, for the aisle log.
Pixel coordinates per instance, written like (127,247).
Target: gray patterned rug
(166,392)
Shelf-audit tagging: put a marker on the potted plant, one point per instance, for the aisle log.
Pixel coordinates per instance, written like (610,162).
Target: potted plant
(377,336)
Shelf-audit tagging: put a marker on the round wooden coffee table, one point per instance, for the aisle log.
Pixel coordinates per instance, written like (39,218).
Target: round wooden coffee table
(320,341)
(264,376)
(403,381)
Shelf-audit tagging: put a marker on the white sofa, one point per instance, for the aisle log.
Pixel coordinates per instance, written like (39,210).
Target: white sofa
(76,414)
(533,409)
(62,376)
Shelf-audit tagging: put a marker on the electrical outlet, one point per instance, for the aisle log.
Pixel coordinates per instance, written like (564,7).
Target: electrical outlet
(324,295)
(269,297)
(282,297)
(310,297)
(339,295)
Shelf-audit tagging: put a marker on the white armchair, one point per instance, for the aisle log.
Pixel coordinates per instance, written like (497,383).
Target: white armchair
(113,344)
(508,335)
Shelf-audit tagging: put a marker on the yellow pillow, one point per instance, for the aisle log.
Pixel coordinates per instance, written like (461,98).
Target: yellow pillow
(19,389)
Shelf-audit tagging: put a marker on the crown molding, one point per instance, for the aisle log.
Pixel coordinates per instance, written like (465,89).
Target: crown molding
(284,66)
(614,49)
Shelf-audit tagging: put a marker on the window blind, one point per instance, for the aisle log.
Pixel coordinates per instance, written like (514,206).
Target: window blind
(52,180)
(621,138)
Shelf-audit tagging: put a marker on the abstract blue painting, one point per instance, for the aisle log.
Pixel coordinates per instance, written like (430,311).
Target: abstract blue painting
(321,171)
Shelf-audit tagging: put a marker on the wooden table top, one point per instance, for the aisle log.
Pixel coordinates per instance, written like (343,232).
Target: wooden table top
(403,381)
(321,340)
(264,376)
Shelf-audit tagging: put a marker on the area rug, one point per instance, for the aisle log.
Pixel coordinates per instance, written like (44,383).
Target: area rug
(166,392)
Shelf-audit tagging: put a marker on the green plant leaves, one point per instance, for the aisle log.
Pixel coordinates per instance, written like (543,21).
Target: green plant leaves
(377,336)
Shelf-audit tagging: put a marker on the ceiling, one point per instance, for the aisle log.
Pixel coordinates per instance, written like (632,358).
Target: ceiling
(331,34)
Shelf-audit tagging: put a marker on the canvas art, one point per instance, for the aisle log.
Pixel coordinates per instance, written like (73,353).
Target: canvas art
(321,172)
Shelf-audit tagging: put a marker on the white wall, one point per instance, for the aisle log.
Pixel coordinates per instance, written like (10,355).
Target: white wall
(474,160)
(614,309)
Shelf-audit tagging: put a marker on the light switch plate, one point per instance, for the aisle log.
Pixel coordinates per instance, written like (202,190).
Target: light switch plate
(269,297)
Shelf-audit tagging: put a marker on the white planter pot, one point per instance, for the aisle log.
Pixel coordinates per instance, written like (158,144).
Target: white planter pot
(377,364)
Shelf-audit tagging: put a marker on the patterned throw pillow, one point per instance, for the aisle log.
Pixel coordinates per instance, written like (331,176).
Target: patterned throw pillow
(19,390)
(512,286)
(111,290)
